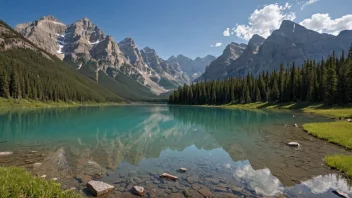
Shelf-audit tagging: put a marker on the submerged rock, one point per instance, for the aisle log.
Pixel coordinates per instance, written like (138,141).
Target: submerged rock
(98,188)
(205,192)
(139,190)
(183,170)
(6,153)
(37,165)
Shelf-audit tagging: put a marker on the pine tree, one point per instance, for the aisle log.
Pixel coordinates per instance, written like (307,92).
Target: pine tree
(4,85)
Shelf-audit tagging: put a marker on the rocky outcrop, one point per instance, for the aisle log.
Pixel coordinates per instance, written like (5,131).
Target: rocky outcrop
(45,33)
(217,68)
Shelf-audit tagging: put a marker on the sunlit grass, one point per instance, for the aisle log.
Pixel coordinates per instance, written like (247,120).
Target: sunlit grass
(16,182)
(339,132)
(330,111)
(341,162)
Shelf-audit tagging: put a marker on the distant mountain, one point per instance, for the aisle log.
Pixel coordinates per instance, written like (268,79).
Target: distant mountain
(193,68)
(86,47)
(27,71)
(218,66)
(290,43)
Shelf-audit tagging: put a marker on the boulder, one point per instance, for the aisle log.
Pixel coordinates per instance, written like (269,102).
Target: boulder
(139,190)
(6,153)
(296,144)
(98,188)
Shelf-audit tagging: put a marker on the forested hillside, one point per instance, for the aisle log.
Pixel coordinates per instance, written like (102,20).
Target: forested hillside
(30,73)
(329,81)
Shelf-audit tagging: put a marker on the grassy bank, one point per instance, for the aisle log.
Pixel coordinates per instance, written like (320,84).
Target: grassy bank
(329,111)
(339,132)
(16,182)
(341,162)
(22,103)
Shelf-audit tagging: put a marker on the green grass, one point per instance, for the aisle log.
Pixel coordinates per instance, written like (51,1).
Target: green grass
(16,182)
(320,109)
(340,162)
(339,132)
(11,103)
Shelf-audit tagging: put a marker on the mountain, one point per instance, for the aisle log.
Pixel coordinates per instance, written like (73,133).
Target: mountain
(96,55)
(170,77)
(193,68)
(27,71)
(218,66)
(290,43)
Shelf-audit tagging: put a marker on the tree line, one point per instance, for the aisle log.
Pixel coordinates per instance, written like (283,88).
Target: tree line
(29,75)
(328,81)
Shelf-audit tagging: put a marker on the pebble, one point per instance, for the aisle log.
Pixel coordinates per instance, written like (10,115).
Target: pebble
(6,153)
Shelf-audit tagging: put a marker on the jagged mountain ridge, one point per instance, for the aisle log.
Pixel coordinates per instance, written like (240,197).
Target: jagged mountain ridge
(290,43)
(86,45)
(230,53)
(193,68)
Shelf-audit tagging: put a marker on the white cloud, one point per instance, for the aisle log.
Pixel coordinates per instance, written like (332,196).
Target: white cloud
(264,21)
(227,32)
(218,44)
(307,3)
(323,23)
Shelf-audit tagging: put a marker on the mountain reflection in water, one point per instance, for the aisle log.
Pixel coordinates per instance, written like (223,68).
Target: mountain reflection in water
(222,149)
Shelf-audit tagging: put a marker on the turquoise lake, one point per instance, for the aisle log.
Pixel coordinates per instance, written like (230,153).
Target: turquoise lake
(229,153)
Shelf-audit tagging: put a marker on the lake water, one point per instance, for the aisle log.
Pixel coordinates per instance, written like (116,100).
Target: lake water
(230,153)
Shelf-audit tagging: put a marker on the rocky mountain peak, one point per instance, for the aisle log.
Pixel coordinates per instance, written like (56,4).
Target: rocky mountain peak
(127,41)
(256,40)
(50,18)
(233,50)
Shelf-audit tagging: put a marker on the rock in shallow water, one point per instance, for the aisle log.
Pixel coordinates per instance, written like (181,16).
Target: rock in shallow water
(6,153)
(98,188)
(293,144)
(139,190)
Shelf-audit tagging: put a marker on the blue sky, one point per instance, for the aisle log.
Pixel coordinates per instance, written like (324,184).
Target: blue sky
(186,27)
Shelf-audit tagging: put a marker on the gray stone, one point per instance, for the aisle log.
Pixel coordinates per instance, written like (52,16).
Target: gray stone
(98,188)
(205,192)
(192,179)
(139,190)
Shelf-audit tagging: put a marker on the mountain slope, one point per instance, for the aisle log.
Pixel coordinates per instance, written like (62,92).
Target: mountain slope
(91,52)
(27,71)
(193,68)
(216,69)
(290,43)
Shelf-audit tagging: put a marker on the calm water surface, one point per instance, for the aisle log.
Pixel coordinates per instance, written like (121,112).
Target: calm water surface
(231,153)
